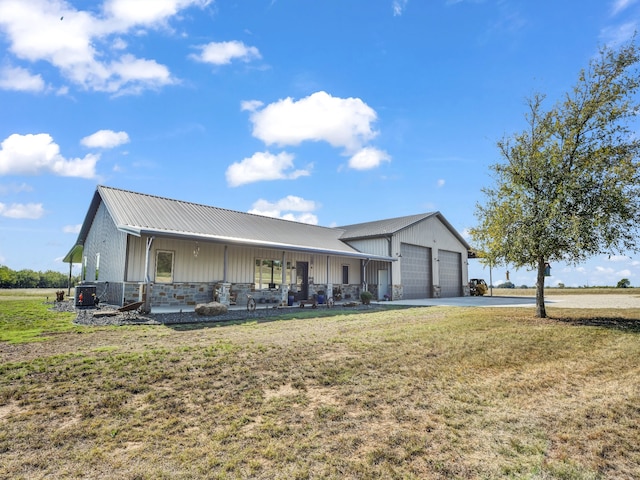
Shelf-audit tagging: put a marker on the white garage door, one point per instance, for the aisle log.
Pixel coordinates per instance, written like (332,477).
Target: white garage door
(450,264)
(415,271)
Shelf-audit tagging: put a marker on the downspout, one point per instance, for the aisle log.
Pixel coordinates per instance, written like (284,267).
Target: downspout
(364,274)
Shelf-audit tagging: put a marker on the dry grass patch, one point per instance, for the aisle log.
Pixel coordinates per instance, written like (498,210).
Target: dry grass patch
(416,393)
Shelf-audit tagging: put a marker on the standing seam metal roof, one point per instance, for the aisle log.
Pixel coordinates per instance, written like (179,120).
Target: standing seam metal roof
(143,214)
(390,226)
(382,227)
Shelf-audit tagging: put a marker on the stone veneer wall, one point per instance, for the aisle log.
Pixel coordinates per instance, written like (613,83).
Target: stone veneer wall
(243,290)
(397,292)
(172,294)
(177,294)
(349,292)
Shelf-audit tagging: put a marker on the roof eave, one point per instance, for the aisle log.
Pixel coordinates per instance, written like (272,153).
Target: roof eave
(250,242)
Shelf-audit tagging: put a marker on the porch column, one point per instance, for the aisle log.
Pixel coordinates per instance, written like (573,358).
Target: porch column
(226,259)
(284,286)
(147,286)
(329,292)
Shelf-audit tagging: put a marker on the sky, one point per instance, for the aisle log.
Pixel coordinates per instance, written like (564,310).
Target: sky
(327,112)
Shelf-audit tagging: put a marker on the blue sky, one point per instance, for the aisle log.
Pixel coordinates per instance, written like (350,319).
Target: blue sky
(328,112)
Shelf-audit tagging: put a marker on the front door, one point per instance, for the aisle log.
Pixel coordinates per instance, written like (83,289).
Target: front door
(383,283)
(302,280)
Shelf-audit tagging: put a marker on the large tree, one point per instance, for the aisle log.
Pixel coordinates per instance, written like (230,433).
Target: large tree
(568,186)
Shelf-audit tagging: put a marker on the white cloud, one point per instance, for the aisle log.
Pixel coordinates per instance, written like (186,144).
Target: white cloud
(15,188)
(250,105)
(617,258)
(345,123)
(105,139)
(135,74)
(35,154)
(87,47)
(620,5)
(30,211)
(21,80)
(263,166)
(223,53)
(341,122)
(72,228)
(441,182)
(147,12)
(368,158)
(618,34)
(284,207)
(399,6)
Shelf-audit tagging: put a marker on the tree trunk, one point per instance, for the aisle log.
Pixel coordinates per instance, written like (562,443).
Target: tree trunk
(541,312)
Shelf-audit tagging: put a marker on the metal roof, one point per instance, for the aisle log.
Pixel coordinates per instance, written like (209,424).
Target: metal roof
(381,227)
(390,226)
(142,214)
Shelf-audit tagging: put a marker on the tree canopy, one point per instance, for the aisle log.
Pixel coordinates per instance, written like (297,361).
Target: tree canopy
(568,187)
(31,279)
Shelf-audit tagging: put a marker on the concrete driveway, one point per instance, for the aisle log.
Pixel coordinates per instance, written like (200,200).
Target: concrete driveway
(609,301)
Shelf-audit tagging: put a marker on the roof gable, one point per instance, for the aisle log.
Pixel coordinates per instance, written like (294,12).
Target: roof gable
(381,227)
(391,226)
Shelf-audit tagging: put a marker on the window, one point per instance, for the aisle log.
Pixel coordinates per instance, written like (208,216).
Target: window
(84,268)
(164,266)
(97,266)
(268,273)
(345,274)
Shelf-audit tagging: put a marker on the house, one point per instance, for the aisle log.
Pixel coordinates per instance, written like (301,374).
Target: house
(134,247)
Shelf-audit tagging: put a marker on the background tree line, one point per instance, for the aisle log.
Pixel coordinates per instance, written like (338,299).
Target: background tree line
(31,279)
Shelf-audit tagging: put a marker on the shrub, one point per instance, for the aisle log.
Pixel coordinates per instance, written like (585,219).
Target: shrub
(365,297)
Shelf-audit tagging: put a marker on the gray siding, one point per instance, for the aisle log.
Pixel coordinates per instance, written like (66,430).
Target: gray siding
(105,239)
(373,246)
(208,266)
(435,235)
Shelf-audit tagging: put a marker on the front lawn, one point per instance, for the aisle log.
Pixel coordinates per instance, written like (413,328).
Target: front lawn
(414,393)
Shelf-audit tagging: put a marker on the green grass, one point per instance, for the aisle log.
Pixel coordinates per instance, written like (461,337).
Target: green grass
(30,320)
(415,393)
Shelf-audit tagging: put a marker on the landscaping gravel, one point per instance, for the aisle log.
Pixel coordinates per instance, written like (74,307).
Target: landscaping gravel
(109,315)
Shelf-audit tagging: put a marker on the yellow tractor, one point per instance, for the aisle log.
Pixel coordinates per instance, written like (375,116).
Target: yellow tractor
(477,287)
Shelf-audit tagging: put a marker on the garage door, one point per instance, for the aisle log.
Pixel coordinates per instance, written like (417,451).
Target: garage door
(450,264)
(416,271)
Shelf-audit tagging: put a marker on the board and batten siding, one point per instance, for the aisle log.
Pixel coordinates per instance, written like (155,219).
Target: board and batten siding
(374,246)
(208,265)
(106,240)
